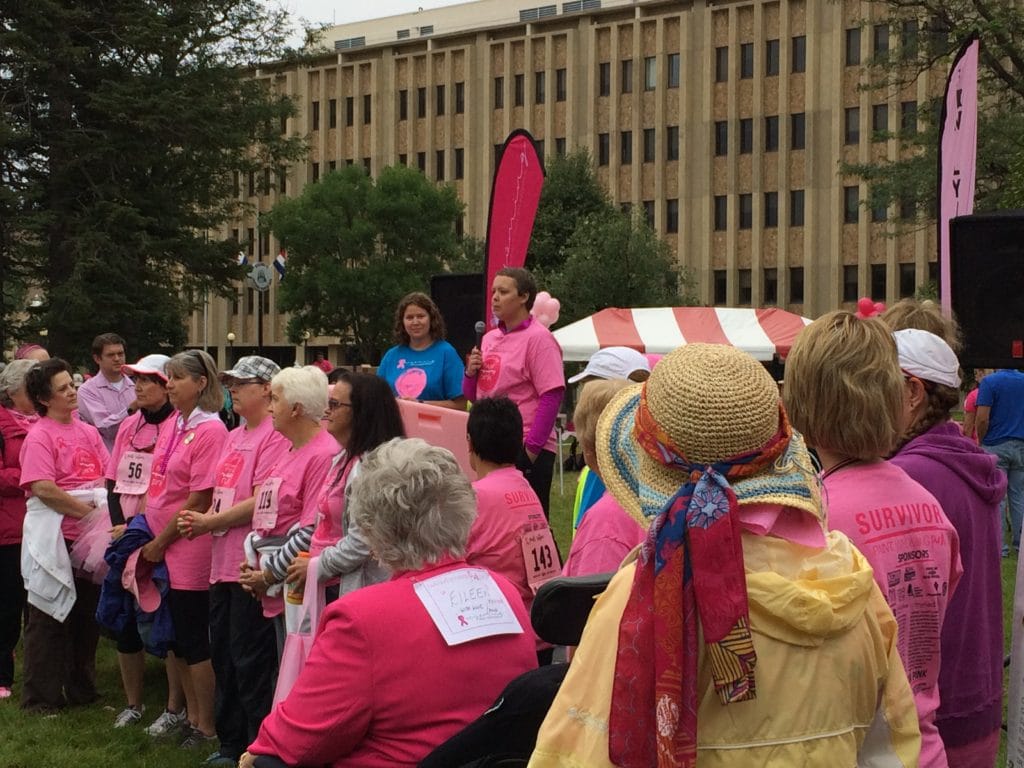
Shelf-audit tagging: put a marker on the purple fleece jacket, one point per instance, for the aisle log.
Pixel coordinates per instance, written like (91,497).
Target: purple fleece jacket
(966,482)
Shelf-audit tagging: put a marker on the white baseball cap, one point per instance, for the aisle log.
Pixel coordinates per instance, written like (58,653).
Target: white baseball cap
(150,365)
(613,363)
(928,357)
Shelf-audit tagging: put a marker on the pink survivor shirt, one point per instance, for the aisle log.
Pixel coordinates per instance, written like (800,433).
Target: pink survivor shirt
(301,475)
(507,508)
(245,461)
(522,365)
(915,552)
(135,434)
(71,455)
(185,460)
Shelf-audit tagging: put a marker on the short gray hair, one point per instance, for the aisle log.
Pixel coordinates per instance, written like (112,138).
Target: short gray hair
(413,504)
(12,378)
(305,386)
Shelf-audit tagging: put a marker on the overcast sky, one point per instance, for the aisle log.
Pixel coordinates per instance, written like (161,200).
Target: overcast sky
(344,11)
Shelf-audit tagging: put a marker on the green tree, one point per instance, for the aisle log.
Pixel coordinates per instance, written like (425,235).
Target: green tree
(125,127)
(615,260)
(929,45)
(571,193)
(356,246)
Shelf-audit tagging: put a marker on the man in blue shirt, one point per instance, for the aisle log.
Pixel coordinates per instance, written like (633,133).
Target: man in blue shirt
(1000,424)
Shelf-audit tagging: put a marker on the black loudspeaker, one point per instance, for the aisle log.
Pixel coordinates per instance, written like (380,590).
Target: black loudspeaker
(987,276)
(461,301)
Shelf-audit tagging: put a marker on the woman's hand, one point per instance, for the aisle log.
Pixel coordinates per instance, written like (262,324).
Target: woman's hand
(297,573)
(153,552)
(246,761)
(474,362)
(117,532)
(254,581)
(192,524)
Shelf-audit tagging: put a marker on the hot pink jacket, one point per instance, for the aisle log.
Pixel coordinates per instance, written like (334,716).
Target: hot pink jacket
(12,495)
(381,689)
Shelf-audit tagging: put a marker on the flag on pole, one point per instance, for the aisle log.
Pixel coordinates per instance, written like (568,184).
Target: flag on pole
(279,263)
(958,144)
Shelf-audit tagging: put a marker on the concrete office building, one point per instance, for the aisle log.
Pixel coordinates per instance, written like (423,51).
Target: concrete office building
(726,122)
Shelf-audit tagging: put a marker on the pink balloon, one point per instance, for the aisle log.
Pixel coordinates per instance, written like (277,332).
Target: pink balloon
(546,308)
(866,306)
(879,307)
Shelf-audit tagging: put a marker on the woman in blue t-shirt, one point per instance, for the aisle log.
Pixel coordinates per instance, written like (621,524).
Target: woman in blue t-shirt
(422,365)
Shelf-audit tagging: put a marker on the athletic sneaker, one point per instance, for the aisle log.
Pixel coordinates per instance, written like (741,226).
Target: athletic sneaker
(194,738)
(168,723)
(129,716)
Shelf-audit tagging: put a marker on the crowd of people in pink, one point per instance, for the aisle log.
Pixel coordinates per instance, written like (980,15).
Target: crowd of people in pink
(804,578)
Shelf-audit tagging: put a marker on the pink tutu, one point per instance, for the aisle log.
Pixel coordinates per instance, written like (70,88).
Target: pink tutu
(88,550)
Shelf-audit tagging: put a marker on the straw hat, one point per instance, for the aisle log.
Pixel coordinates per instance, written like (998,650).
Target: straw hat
(714,402)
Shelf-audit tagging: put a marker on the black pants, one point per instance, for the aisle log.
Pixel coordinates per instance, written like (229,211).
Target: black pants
(538,474)
(12,608)
(243,648)
(60,657)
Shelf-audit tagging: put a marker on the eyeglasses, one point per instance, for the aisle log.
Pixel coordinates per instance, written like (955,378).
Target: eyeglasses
(333,405)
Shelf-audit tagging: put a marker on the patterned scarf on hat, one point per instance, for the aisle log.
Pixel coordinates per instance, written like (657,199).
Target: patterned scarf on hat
(690,565)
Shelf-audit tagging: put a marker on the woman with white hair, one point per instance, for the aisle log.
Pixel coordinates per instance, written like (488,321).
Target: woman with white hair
(16,416)
(398,667)
(286,501)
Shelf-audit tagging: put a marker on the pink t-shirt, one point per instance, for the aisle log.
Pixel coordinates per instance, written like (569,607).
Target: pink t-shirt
(605,536)
(185,460)
(507,508)
(295,482)
(330,505)
(915,552)
(71,455)
(522,365)
(245,461)
(971,406)
(134,434)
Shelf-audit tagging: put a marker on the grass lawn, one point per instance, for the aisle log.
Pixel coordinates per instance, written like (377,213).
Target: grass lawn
(84,738)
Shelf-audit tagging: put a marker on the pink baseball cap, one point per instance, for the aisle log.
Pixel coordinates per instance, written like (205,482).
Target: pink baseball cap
(137,579)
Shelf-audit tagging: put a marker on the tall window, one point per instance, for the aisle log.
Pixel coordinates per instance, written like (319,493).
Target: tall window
(650,145)
(604,78)
(721,286)
(650,73)
(771,58)
(853,46)
(672,215)
(771,210)
(672,142)
(722,64)
(539,83)
(851,283)
(746,211)
(403,104)
(421,102)
(908,39)
(799,60)
(350,108)
(797,126)
(499,92)
(460,163)
(746,136)
(745,288)
(908,117)
(851,126)
(770,291)
(439,164)
(746,61)
(439,100)
(603,148)
(626,148)
(518,90)
(561,87)
(908,280)
(721,212)
(627,75)
(673,70)
(367,108)
(878,280)
(721,138)
(332,113)
(851,205)
(771,133)
(880,39)
(796,285)
(460,98)
(880,118)
(796,208)
(316,116)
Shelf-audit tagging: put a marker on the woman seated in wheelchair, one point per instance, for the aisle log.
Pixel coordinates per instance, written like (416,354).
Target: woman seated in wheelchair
(400,666)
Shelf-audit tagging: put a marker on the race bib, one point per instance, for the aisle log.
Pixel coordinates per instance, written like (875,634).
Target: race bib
(134,471)
(467,604)
(540,558)
(264,518)
(223,498)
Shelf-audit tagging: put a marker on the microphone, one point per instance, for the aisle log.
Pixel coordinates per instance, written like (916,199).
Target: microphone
(481,329)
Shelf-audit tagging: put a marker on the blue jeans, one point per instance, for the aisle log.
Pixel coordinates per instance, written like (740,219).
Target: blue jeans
(1010,456)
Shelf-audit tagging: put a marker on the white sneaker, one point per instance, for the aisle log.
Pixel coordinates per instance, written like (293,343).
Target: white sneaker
(129,716)
(168,723)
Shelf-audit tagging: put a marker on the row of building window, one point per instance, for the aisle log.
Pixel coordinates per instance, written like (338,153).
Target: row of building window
(332,112)
(878,283)
(770,211)
(650,145)
(879,121)
(797,134)
(539,88)
(771,61)
(880,41)
(440,101)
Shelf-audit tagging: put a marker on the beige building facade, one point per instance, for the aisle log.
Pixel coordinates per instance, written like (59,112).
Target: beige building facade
(725,122)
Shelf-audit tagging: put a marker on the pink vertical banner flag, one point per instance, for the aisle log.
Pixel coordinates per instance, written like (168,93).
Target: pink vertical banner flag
(958,143)
(515,195)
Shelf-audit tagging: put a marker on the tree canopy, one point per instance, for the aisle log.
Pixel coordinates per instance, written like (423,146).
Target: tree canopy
(123,127)
(357,245)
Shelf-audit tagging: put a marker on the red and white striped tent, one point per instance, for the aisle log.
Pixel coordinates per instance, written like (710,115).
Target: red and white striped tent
(764,333)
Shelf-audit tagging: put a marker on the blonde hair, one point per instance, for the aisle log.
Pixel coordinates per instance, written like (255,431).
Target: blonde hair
(594,398)
(844,387)
(412,503)
(924,316)
(196,364)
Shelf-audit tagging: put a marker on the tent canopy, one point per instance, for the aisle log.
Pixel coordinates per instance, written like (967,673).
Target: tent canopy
(764,333)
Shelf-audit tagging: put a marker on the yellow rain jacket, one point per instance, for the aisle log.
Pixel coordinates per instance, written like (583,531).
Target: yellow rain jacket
(831,690)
